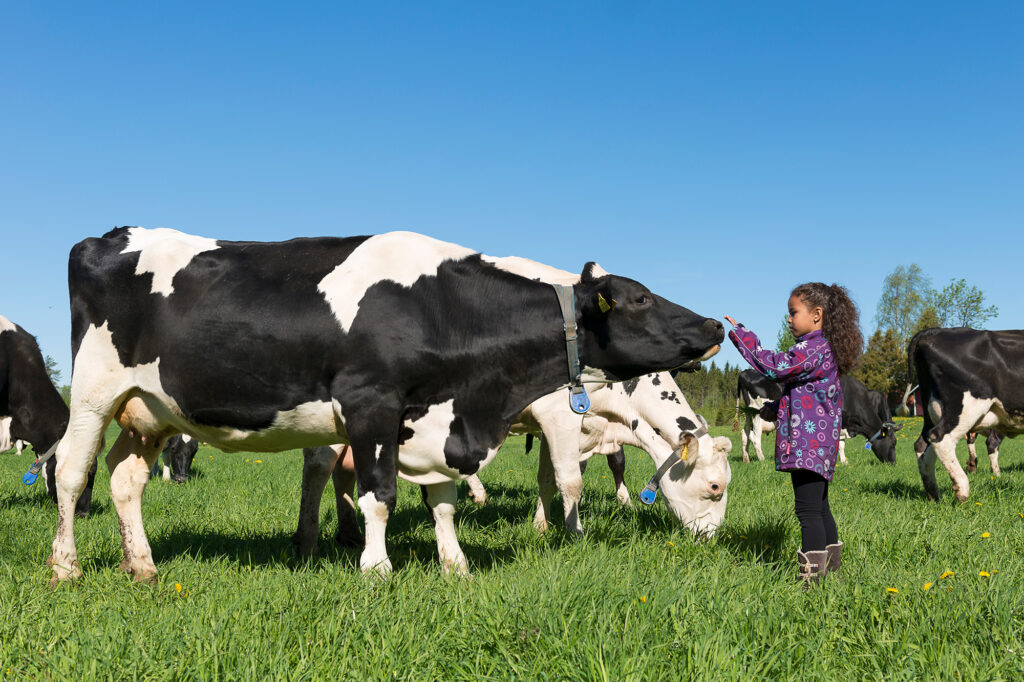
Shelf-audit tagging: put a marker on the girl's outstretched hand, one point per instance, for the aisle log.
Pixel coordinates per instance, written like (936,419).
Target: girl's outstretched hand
(731,321)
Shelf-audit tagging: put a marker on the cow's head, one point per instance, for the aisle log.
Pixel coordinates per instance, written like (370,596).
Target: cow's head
(696,486)
(180,451)
(629,331)
(883,442)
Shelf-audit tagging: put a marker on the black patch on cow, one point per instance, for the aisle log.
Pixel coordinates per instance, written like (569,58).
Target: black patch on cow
(685,424)
(630,386)
(671,396)
(656,380)
(635,423)
(657,431)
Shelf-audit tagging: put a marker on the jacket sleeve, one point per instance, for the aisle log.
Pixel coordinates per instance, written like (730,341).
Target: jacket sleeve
(788,366)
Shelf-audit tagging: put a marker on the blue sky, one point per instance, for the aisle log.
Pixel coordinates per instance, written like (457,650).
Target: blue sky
(719,153)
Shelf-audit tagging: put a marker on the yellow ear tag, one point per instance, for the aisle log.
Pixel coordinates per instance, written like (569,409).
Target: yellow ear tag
(602,303)
(685,452)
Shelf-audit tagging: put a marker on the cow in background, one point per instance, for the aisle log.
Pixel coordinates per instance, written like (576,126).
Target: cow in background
(866,413)
(177,458)
(38,413)
(753,390)
(993,439)
(970,380)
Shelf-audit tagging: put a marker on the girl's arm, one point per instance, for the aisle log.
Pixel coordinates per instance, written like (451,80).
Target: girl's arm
(791,365)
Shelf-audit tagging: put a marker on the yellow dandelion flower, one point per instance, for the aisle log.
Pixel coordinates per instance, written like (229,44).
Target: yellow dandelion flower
(604,477)
(177,586)
(986,535)
(246,460)
(994,572)
(743,537)
(643,598)
(892,590)
(1020,514)
(845,489)
(671,544)
(984,574)
(978,503)
(946,574)
(259,461)
(927,586)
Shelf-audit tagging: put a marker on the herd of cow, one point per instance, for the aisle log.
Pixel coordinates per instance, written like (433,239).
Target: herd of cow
(398,354)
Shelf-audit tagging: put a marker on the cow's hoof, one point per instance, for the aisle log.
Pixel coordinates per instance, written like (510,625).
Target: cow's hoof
(961,497)
(479,500)
(63,573)
(574,531)
(540,525)
(140,573)
(746,460)
(381,569)
(303,547)
(458,568)
(971,468)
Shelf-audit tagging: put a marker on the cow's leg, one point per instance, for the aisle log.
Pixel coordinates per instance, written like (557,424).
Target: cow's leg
(317,465)
(441,498)
(617,463)
(972,453)
(344,477)
(947,433)
(130,461)
(992,443)
(373,434)
(565,461)
(476,489)
(756,437)
(546,486)
(842,449)
(76,456)
(745,437)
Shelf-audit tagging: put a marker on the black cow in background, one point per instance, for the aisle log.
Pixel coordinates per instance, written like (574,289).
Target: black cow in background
(38,413)
(971,380)
(866,413)
(177,459)
(993,440)
(752,391)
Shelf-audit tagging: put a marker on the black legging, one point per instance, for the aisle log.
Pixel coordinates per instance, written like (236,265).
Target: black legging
(817,527)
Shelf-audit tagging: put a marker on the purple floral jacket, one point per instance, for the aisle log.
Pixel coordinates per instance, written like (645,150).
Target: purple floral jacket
(810,412)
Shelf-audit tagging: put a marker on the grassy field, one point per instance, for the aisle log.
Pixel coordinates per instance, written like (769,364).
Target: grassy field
(635,598)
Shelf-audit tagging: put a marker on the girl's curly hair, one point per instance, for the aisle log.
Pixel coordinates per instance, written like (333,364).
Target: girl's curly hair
(840,320)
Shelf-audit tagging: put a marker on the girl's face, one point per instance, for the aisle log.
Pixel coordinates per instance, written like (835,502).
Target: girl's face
(803,320)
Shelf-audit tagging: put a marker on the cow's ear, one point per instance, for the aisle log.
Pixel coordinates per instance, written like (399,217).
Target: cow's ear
(603,304)
(592,271)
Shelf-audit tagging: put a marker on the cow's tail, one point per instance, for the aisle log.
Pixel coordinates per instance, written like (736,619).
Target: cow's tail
(529,442)
(903,410)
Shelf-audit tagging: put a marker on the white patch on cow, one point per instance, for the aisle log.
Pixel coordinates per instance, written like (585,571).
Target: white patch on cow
(167,473)
(376,452)
(6,325)
(532,270)
(185,438)
(421,456)
(5,433)
(598,271)
(375,520)
(164,252)
(400,257)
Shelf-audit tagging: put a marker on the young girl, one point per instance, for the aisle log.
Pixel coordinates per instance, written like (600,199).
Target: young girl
(828,342)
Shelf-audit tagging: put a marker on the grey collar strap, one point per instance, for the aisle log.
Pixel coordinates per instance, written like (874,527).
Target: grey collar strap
(579,401)
(650,491)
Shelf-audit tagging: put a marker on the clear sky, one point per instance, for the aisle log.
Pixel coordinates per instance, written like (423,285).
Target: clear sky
(718,152)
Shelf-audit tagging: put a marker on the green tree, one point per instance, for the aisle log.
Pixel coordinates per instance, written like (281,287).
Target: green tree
(906,293)
(929,318)
(883,367)
(785,339)
(962,305)
(51,370)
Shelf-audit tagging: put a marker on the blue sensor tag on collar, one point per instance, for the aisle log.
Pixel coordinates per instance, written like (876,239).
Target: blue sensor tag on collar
(867,446)
(648,495)
(579,402)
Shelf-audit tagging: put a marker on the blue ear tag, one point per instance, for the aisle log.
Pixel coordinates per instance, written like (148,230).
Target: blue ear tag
(32,474)
(650,493)
(579,402)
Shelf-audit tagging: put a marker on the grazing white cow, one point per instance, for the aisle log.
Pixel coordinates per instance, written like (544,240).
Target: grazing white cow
(648,412)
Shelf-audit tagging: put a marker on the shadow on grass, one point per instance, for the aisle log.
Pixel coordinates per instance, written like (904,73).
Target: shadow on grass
(762,540)
(40,500)
(1015,466)
(896,489)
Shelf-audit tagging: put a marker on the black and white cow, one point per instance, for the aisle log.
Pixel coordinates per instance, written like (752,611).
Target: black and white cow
(376,341)
(38,413)
(866,413)
(752,391)
(177,457)
(970,380)
(6,442)
(993,439)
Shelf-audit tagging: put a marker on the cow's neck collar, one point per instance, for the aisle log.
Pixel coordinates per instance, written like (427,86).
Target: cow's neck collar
(579,401)
(650,492)
(33,471)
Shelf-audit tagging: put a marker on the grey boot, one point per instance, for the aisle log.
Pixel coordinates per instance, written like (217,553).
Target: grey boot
(812,566)
(835,559)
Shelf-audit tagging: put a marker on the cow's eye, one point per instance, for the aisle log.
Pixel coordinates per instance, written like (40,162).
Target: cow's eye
(642,299)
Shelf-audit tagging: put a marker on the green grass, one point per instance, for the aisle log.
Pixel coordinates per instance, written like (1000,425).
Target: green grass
(635,598)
